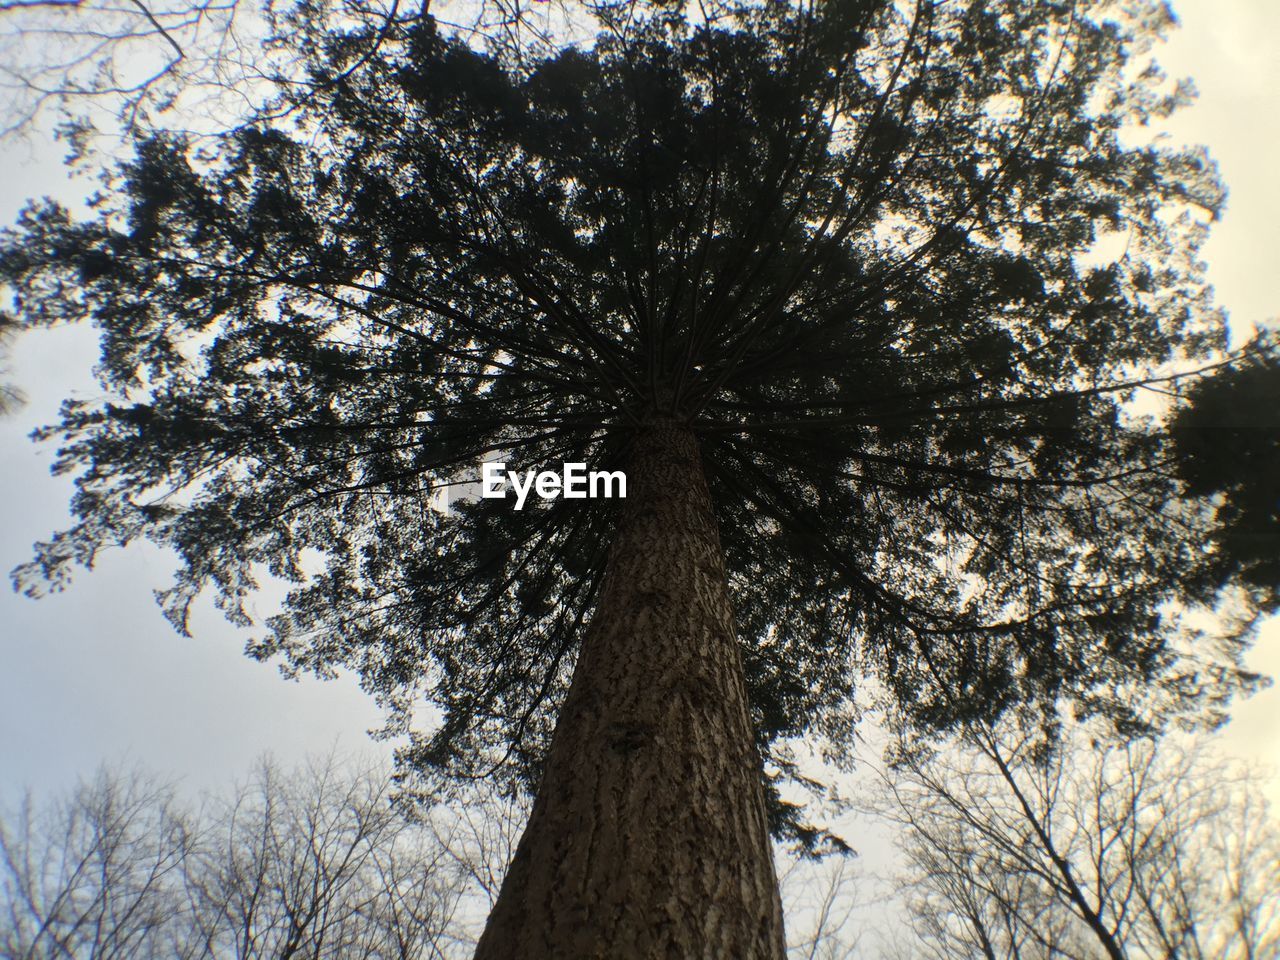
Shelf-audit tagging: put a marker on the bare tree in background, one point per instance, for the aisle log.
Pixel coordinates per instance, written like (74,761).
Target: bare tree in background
(819,899)
(121,59)
(207,64)
(314,864)
(479,837)
(95,875)
(1143,849)
(317,864)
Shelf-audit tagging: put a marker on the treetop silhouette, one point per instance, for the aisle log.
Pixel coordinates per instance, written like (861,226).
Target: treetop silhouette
(850,249)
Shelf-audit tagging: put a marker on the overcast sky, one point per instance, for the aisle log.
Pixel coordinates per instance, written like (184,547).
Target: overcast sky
(96,675)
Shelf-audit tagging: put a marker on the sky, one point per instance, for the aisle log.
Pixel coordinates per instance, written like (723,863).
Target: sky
(96,675)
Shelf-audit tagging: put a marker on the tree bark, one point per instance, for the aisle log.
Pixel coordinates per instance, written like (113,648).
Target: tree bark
(648,837)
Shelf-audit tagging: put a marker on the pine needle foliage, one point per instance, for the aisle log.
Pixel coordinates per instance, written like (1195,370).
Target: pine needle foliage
(853,245)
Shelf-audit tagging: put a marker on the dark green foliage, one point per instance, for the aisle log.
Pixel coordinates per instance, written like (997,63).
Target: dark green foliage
(848,246)
(1228,444)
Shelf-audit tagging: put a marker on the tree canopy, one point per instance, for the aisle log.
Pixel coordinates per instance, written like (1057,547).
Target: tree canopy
(1227,443)
(857,247)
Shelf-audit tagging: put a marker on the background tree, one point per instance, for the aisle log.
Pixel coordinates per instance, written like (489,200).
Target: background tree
(826,893)
(92,66)
(96,875)
(817,276)
(1227,438)
(122,63)
(1152,848)
(312,863)
(317,864)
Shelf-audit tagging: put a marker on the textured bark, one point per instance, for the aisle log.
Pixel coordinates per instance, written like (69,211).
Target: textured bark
(648,836)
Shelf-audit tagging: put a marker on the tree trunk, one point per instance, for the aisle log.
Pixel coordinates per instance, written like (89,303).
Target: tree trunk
(648,835)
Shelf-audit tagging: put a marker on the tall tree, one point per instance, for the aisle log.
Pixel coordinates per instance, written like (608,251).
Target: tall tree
(817,277)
